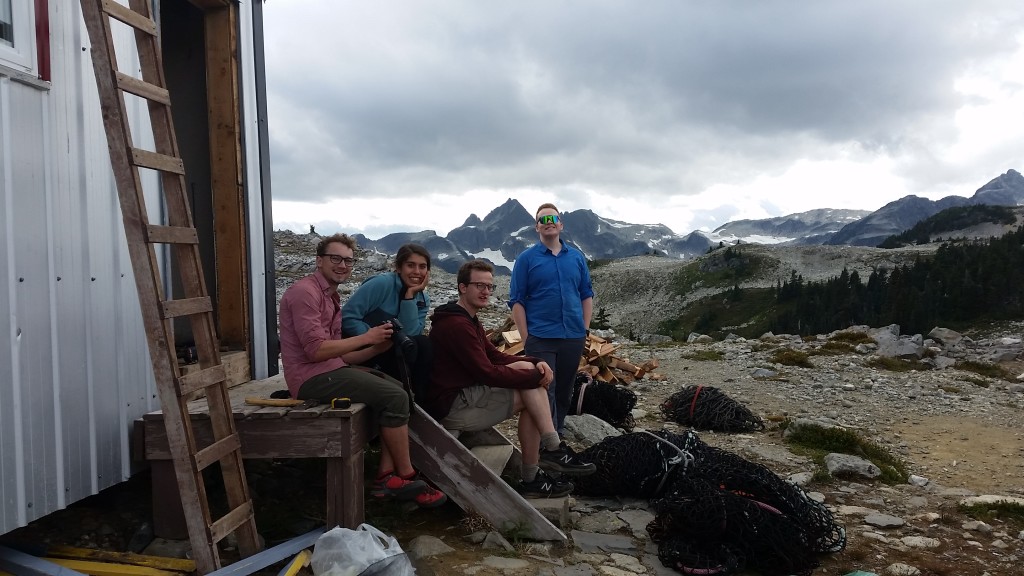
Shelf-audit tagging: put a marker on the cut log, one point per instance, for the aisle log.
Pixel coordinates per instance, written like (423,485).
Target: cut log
(515,349)
(598,359)
(606,375)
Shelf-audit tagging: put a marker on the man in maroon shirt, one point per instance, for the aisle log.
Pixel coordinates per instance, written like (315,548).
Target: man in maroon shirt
(475,386)
(318,364)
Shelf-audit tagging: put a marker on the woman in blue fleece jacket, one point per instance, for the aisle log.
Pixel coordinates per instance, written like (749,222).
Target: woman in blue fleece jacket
(397,295)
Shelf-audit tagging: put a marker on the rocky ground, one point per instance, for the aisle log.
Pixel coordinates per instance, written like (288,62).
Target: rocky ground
(959,433)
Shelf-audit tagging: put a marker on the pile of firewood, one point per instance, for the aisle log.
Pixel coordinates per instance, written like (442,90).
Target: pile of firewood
(598,357)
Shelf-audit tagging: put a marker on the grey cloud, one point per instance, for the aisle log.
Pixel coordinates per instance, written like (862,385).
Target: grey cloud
(662,96)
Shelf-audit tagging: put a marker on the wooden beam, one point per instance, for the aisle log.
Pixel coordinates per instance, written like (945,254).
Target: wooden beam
(227,190)
(205,5)
(94,568)
(469,483)
(23,564)
(160,562)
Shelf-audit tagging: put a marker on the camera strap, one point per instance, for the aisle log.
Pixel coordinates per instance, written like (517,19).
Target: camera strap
(403,366)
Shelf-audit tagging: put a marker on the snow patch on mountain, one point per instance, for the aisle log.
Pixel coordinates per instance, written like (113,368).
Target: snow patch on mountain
(495,257)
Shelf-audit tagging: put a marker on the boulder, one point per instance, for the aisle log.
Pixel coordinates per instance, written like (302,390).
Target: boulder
(588,429)
(894,347)
(846,465)
(945,336)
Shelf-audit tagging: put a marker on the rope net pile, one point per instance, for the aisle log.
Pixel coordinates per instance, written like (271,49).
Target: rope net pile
(715,512)
(708,408)
(609,402)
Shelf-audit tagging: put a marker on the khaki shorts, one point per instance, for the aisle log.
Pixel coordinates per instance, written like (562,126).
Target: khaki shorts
(479,408)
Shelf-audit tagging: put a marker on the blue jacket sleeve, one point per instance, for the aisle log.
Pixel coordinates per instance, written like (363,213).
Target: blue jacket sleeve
(376,292)
(413,313)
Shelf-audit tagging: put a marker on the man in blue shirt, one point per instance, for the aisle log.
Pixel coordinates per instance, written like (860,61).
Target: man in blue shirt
(552,300)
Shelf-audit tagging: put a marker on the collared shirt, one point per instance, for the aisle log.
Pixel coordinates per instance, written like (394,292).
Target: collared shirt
(310,314)
(551,288)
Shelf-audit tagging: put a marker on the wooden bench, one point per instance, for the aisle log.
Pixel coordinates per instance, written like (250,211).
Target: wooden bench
(338,436)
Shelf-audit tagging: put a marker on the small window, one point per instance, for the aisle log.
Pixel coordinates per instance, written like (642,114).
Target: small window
(6,23)
(17,35)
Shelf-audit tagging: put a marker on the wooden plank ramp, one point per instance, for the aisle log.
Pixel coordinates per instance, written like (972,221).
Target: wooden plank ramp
(470,483)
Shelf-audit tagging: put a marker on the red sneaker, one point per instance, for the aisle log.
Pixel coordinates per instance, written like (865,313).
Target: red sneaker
(392,485)
(430,498)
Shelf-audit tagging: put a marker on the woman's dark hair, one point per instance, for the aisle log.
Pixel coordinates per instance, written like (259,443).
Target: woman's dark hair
(407,250)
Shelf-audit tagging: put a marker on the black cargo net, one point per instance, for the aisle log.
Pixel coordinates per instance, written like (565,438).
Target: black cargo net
(708,408)
(611,403)
(716,513)
(640,464)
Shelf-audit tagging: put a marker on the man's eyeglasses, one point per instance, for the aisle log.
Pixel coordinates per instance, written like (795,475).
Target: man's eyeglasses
(548,219)
(336,260)
(482,286)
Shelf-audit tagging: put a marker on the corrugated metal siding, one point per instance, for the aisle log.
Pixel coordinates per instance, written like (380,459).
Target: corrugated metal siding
(78,369)
(74,365)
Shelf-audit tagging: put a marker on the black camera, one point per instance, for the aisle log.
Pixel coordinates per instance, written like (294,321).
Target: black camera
(401,339)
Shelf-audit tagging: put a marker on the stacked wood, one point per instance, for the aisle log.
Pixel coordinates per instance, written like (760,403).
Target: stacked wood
(598,359)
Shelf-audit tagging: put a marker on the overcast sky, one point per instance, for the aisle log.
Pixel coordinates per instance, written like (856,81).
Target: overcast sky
(411,115)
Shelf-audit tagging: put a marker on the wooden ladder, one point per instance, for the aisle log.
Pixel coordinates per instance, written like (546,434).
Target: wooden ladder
(159,313)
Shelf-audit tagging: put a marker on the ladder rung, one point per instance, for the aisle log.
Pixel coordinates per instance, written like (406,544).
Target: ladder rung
(171,235)
(187,306)
(143,89)
(227,523)
(217,451)
(201,379)
(129,17)
(157,161)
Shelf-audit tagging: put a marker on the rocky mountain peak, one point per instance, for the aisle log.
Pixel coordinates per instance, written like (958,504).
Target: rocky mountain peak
(1004,190)
(507,230)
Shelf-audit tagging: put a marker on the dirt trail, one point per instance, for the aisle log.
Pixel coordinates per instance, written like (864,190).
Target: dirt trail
(961,452)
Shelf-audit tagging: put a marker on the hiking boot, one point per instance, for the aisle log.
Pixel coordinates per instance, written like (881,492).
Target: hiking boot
(565,461)
(392,485)
(544,486)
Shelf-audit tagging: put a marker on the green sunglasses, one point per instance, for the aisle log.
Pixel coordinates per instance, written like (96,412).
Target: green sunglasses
(548,219)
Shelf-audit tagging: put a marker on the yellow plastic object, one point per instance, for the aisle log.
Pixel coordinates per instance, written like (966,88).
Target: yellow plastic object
(160,562)
(301,559)
(108,569)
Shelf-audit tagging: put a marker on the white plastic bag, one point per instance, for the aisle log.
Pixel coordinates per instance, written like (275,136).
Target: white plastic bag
(365,551)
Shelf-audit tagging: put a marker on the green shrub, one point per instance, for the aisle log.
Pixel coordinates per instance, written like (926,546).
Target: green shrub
(1010,513)
(820,441)
(832,348)
(854,338)
(985,369)
(790,357)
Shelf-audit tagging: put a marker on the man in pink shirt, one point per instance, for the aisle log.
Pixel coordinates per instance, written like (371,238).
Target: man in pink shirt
(319,364)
